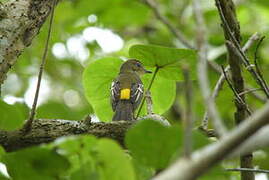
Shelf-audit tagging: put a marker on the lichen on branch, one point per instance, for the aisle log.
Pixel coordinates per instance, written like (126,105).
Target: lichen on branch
(20,22)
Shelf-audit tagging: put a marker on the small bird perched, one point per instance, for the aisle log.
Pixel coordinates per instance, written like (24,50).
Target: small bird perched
(127,90)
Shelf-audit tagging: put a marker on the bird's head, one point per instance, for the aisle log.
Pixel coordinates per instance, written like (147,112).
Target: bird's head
(133,65)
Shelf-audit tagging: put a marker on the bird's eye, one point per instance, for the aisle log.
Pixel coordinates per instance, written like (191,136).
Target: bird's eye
(138,65)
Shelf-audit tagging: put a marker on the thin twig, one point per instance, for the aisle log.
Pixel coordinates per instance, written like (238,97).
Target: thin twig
(208,132)
(250,41)
(202,69)
(249,91)
(235,46)
(188,119)
(149,103)
(150,114)
(248,169)
(256,95)
(28,124)
(179,35)
(256,61)
(237,96)
(176,107)
(148,89)
(215,93)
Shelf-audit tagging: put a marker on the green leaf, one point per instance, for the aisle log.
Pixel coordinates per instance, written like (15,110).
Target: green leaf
(153,144)
(93,158)
(142,172)
(217,172)
(79,150)
(11,116)
(261,158)
(2,151)
(35,163)
(97,78)
(75,144)
(114,164)
(199,140)
(168,60)
(163,93)
(85,173)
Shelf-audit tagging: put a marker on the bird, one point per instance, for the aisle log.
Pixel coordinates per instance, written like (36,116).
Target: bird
(127,90)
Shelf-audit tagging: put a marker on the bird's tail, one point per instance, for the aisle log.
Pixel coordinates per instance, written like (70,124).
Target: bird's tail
(124,111)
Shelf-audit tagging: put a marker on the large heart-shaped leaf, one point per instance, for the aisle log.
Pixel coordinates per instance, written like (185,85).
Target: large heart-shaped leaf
(168,60)
(97,79)
(114,163)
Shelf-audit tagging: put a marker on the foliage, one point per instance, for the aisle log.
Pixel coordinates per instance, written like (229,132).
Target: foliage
(77,157)
(169,60)
(35,163)
(141,141)
(67,94)
(99,74)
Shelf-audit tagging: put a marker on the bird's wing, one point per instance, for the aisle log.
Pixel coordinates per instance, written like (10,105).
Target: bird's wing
(115,94)
(137,91)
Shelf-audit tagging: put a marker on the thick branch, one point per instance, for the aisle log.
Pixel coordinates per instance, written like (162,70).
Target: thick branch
(257,141)
(230,23)
(20,22)
(47,130)
(227,12)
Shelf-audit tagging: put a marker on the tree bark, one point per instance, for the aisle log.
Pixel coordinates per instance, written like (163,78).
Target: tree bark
(228,9)
(47,130)
(20,22)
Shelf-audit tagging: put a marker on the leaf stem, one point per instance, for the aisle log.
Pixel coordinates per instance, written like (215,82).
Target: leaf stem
(148,89)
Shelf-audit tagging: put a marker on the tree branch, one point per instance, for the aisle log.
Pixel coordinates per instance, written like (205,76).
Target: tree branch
(47,130)
(188,118)
(257,141)
(248,170)
(226,10)
(20,22)
(237,95)
(256,63)
(231,28)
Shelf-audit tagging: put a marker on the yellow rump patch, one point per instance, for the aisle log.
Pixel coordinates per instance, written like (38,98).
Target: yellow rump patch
(125,94)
